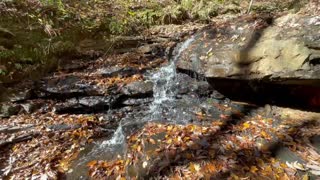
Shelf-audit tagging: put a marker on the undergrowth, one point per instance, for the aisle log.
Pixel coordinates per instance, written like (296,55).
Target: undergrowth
(44,30)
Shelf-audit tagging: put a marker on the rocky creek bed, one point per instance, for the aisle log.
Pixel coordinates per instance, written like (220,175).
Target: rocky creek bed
(66,125)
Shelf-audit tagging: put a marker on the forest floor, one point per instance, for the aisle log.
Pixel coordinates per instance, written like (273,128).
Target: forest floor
(241,141)
(252,143)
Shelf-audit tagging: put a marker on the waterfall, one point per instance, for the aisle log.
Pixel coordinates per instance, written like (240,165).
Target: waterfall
(164,107)
(164,100)
(164,88)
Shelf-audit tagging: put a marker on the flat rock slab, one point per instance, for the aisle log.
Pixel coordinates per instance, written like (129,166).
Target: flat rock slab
(85,104)
(257,48)
(142,88)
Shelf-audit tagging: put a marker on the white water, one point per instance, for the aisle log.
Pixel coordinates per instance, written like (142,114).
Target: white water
(118,138)
(164,88)
(164,92)
(164,104)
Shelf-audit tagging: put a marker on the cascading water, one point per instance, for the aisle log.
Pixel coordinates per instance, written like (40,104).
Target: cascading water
(107,149)
(164,95)
(163,107)
(118,138)
(164,88)
(164,92)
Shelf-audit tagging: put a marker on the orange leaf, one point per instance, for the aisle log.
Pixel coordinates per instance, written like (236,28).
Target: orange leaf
(264,134)
(92,163)
(152,141)
(210,168)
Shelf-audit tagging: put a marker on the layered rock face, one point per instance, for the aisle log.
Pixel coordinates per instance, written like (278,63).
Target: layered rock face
(283,48)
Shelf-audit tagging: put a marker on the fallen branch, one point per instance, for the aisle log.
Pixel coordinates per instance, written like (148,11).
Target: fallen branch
(10,129)
(20,138)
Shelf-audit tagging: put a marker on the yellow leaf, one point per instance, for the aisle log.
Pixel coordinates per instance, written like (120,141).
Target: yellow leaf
(283,165)
(264,134)
(235,177)
(284,177)
(253,169)
(246,125)
(268,169)
(194,167)
(305,177)
(197,167)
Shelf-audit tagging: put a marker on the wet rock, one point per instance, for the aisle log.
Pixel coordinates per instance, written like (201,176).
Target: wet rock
(139,101)
(255,49)
(45,108)
(9,109)
(20,95)
(30,107)
(286,155)
(63,127)
(71,65)
(217,95)
(85,104)
(145,49)
(138,88)
(117,71)
(315,140)
(186,84)
(69,86)
(90,46)
(154,49)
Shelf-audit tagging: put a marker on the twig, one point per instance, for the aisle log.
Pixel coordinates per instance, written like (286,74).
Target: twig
(251,2)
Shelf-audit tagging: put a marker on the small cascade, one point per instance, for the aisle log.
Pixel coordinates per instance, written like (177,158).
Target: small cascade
(118,138)
(165,85)
(164,107)
(107,149)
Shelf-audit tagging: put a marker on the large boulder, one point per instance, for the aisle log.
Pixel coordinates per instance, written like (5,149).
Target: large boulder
(286,47)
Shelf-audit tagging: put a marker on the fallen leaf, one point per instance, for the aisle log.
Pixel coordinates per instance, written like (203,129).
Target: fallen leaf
(92,163)
(305,177)
(194,167)
(295,165)
(152,141)
(253,169)
(317,173)
(144,164)
(246,125)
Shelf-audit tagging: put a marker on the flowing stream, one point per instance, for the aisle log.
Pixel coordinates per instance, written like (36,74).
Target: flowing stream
(163,108)
(165,88)
(164,93)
